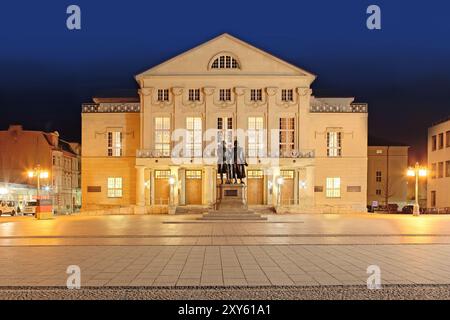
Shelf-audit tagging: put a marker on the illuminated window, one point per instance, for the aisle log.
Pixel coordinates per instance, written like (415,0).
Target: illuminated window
(163,94)
(287,135)
(194,137)
(255,136)
(114,144)
(287,95)
(255,174)
(225,94)
(287,174)
(333,188)
(115,187)
(225,62)
(193,174)
(162,135)
(162,174)
(225,131)
(256,94)
(194,94)
(334,144)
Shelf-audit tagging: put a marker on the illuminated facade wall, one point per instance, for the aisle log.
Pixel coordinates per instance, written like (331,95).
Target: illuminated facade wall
(223,90)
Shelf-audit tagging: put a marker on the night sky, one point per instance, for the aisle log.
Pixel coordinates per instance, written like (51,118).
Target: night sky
(402,70)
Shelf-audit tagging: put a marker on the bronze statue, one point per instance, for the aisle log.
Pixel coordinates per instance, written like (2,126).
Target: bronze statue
(239,163)
(222,161)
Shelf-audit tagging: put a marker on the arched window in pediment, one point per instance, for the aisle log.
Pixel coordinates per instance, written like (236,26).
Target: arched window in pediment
(225,61)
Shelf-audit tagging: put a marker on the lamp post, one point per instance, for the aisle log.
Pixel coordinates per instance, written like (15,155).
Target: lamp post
(416,171)
(39,174)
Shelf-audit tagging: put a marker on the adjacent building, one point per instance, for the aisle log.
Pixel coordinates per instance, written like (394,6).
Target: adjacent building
(304,153)
(439,165)
(387,182)
(22,151)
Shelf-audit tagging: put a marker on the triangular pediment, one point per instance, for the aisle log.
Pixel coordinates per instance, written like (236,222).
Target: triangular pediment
(252,61)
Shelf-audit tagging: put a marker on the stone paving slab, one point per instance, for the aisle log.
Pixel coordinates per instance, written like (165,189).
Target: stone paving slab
(261,265)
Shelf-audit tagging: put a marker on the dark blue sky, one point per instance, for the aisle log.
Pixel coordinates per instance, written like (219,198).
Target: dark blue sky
(402,71)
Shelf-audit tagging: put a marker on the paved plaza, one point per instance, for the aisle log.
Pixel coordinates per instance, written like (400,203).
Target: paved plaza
(295,250)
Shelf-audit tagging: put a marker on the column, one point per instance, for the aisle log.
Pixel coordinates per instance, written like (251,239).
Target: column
(310,182)
(176,186)
(208,186)
(140,187)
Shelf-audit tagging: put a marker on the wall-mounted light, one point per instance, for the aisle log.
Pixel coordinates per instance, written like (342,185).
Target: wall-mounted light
(302,184)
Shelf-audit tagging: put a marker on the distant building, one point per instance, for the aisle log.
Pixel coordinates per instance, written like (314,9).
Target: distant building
(386,172)
(439,165)
(304,153)
(24,150)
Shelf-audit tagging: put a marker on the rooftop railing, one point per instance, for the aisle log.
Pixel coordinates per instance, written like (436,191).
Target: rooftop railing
(152,153)
(352,108)
(110,107)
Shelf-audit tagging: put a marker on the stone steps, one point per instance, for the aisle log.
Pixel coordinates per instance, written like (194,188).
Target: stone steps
(232,215)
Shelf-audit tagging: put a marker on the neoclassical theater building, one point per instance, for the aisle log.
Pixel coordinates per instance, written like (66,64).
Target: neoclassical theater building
(158,151)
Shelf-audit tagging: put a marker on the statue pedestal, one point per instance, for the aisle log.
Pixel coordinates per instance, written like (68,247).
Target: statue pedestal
(232,205)
(232,197)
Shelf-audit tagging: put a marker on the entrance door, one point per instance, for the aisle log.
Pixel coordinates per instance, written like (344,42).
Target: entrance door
(255,187)
(193,187)
(162,187)
(287,191)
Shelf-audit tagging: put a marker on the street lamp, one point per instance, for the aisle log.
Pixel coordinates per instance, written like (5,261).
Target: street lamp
(39,174)
(416,171)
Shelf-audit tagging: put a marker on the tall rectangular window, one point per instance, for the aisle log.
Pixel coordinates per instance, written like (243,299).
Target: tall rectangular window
(433,198)
(287,95)
(225,131)
(194,95)
(194,137)
(287,135)
(334,144)
(225,94)
(255,136)
(114,187)
(163,94)
(447,139)
(333,188)
(162,135)
(433,171)
(440,170)
(256,94)
(441,140)
(378,176)
(447,169)
(433,143)
(114,143)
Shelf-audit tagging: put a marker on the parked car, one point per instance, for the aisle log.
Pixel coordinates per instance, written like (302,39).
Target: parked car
(408,209)
(8,207)
(30,208)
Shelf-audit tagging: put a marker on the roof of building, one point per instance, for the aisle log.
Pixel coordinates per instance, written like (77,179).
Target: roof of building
(115,99)
(378,141)
(441,121)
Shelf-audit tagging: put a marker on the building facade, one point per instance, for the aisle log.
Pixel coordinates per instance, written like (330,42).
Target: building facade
(387,182)
(304,153)
(22,151)
(439,165)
